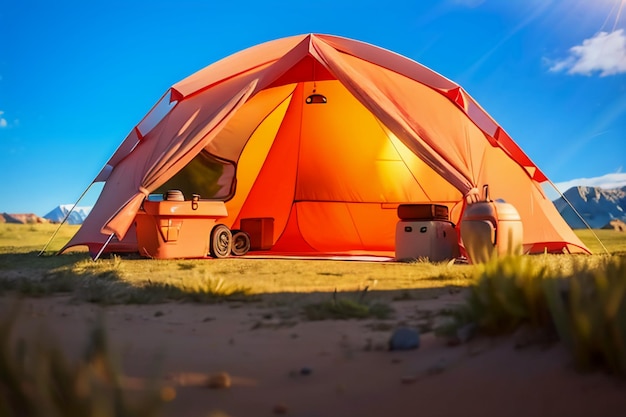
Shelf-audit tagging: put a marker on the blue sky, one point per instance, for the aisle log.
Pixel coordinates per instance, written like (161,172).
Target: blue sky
(76,76)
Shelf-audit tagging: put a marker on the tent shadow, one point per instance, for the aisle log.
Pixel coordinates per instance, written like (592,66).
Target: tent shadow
(28,275)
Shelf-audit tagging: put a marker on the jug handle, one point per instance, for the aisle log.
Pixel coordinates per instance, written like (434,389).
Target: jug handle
(486,192)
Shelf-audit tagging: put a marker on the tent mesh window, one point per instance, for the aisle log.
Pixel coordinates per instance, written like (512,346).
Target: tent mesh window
(206,175)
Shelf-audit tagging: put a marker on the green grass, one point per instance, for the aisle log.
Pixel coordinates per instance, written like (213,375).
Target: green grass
(580,298)
(38,380)
(344,309)
(33,237)
(347,306)
(130,279)
(580,301)
(589,313)
(613,240)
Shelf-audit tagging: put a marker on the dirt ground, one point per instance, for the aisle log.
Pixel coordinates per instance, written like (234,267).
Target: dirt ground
(280,364)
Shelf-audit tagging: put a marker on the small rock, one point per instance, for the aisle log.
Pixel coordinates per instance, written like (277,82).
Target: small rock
(404,338)
(219,381)
(280,409)
(305,370)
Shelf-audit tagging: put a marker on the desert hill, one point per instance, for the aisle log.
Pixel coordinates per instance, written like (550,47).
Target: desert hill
(21,218)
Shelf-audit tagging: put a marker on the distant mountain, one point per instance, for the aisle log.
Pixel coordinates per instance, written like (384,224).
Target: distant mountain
(21,218)
(77,216)
(596,205)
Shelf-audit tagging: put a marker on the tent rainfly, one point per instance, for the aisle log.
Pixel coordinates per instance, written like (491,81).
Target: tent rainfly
(327,136)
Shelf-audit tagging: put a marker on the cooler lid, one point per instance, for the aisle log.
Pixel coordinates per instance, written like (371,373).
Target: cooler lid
(491,210)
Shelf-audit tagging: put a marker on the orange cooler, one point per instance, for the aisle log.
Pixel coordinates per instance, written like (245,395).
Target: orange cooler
(177,229)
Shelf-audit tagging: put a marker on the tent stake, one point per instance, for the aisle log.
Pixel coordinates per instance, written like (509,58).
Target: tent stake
(65,219)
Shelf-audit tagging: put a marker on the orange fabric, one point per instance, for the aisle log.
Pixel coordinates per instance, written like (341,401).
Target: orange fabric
(330,175)
(273,191)
(239,63)
(360,78)
(173,157)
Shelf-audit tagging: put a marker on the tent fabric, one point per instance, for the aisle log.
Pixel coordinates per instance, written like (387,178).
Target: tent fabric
(331,175)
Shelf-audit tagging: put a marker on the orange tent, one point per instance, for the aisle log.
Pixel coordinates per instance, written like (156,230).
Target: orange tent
(327,136)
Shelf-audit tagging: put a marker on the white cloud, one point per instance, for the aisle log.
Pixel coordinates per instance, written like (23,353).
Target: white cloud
(3,121)
(607,181)
(614,180)
(604,53)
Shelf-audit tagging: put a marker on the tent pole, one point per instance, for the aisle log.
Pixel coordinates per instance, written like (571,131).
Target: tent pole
(104,246)
(90,185)
(579,216)
(65,219)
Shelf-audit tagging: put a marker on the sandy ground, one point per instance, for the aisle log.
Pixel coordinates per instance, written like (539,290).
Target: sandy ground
(281,364)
